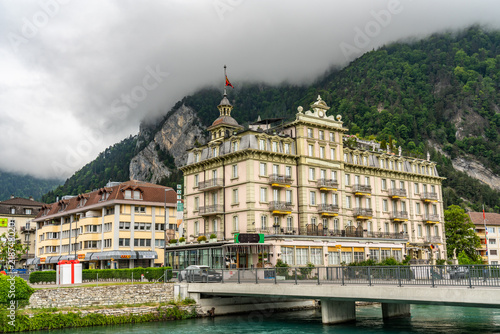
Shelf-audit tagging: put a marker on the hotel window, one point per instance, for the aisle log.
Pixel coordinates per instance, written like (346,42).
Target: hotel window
(197,157)
(235,171)
(159,227)
(345,157)
(382,163)
(276,169)
(419,231)
(334,175)
(159,243)
(263,194)
(312,198)
(317,256)
(309,133)
(367,180)
(302,256)
(333,258)
(107,243)
(310,150)
(262,144)
(289,223)
(235,224)
(414,168)
(142,242)
(356,179)
(390,164)
(492,241)
(274,146)
(288,196)
(401,185)
(385,205)
(415,188)
(335,199)
(287,255)
(196,180)
(196,203)
(384,184)
(287,148)
(347,180)
(235,146)
(123,242)
(214,152)
(263,222)
(263,169)
(417,208)
(140,209)
(332,153)
(355,159)
(108,227)
(321,135)
(433,189)
(365,161)
(277,222)
(490,230)
(288,171)
(400,166)
(332,136)
(348,202)
(235,196)
(493,252)
(321,152)
(311,174)
(196,228)
(436,231)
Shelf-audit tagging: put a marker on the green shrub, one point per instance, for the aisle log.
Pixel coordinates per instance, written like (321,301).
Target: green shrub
(202,238)
(213,236)
(173,241)
(18,290)
(182,239)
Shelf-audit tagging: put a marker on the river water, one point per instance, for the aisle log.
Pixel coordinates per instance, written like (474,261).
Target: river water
(424,319)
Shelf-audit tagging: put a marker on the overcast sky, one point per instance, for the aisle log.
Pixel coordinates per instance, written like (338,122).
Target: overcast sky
(79,76)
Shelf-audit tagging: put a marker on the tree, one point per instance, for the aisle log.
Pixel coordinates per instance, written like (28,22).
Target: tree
(11,246)
(460,235)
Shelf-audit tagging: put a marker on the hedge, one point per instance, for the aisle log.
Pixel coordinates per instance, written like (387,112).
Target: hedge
(53,320)
(151,274)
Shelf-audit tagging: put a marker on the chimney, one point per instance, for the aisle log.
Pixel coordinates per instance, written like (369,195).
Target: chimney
(11,196)
(31,198)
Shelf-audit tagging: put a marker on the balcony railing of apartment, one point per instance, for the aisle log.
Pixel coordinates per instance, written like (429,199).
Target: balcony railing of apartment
(361,190)
(279,207)
(387,235)
(312,229)
(429,196)
(328,209)
(431,218)
(210,184)
(218,235)
(362,213)
(399,215)
(28,256)
(397,193)
(210,209)
(432,239)
(278,180)
(27,230)
(276,230)
(327,184)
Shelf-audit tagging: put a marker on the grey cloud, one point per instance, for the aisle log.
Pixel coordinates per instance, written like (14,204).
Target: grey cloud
(89,56)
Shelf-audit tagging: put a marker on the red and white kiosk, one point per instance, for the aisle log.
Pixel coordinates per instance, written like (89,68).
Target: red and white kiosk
(68,272)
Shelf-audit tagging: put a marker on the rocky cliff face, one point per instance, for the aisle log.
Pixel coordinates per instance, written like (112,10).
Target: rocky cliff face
(477,171)
(178,133)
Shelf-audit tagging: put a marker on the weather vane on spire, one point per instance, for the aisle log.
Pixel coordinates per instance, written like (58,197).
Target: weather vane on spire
(227,81)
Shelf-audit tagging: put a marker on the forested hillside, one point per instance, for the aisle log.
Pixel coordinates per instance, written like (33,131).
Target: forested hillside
(440,94)
(112,164)
(24,186)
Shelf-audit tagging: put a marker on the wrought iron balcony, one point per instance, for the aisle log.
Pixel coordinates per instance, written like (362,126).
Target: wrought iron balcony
(210,184)
(397,193)
(429,197)
(328,209)
(387,235)
(211,210)
(362,213)
(433,239)
(312,229)
(399,215)
(327,185)
(278,180)
(279,207)
(362,190)
(431,219)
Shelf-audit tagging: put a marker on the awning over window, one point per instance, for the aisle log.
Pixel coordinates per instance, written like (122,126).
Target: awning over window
(52,259)
(254,248)
(121,255)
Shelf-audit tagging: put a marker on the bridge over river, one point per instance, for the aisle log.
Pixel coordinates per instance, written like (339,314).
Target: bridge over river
(338,288)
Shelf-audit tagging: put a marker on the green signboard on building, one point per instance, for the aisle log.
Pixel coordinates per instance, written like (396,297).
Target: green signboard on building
(247,238)
(4,222)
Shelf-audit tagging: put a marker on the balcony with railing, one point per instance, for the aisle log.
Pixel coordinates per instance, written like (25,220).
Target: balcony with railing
(328,209)
(387,235)
(26,256)
(431,219)
(362,213)
(278,180)
(399,216)
(279,207)
(210,184)
(397,193)
(327,185)
(362,190)
(429,196)
(432,239)
(315,230)
(209,235)
(28,230)
(211,210)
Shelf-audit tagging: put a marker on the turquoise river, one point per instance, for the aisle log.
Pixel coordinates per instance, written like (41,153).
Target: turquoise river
(424,319)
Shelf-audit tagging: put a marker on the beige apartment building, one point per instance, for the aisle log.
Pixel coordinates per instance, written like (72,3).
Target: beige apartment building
(118,226)
(20,212)
(488,230)
(315,193)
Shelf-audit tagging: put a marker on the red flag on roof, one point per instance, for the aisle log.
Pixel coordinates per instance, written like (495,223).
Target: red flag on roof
(484,215)
(228,83)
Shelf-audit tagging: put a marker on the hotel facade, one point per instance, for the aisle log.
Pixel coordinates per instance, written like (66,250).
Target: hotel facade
(118,226)
(316,194)
(487,228)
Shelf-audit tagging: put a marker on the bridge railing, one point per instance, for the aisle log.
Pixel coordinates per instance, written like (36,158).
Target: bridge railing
(426,275)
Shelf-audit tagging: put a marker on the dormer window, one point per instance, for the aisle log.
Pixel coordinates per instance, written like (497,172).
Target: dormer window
(262,144)
(235,146)
(197,157)
(28,211)
(12,211)
(133,194)
(310,133)
(274,146)
(214,152)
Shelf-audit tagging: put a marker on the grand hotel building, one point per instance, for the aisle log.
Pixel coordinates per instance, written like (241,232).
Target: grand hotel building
(315,196)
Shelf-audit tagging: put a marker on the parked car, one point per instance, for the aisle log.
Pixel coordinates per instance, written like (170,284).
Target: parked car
(195,273)
(459,272)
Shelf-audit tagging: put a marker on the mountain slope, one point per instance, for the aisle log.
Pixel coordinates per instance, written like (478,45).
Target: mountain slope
(24,186)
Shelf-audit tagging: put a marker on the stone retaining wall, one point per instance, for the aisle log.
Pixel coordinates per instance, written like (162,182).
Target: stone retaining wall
(102,295)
